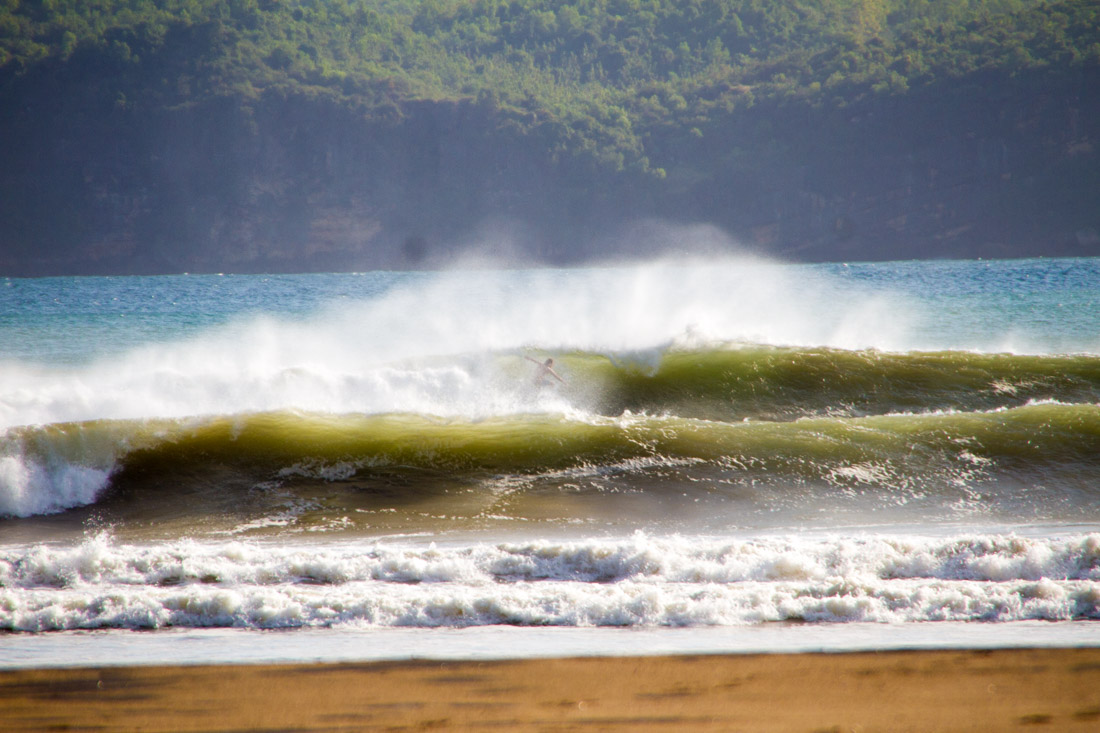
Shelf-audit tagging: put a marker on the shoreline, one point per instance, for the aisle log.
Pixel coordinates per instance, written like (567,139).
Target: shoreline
(236,646)
(941,690)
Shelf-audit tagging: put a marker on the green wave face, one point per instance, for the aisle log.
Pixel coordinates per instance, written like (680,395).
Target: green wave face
(769,383)
(1038,460)
(742,436)
(265,444)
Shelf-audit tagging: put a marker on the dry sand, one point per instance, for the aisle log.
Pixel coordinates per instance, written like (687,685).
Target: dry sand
(1003,690)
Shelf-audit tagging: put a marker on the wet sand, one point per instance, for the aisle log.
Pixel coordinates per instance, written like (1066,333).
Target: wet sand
(946,690)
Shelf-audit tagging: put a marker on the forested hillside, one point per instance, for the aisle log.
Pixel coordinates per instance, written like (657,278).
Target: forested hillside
(191,135)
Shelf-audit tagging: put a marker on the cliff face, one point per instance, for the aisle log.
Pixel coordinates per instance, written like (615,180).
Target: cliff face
(986,167)
(282,184)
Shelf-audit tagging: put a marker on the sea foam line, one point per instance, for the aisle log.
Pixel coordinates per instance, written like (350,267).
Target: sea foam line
(633,581)
(101,561)
(557,603)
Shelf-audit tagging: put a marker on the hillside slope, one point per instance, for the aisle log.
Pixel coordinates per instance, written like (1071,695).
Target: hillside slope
(244,135)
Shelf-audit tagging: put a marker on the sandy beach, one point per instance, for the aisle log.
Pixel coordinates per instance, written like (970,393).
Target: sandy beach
(943,690)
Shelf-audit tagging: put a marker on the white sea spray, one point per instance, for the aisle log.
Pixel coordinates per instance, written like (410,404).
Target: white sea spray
(424,345)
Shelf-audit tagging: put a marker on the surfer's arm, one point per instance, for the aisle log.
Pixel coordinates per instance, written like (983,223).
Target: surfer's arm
(555,375)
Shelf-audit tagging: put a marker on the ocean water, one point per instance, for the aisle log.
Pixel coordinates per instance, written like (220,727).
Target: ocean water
(741,455)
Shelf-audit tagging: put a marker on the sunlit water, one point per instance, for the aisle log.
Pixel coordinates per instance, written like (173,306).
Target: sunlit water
(744,455)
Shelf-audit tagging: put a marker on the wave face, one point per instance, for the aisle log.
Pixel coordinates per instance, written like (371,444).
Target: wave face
(797,420)
(746,382)
(729,443)
(1035,461)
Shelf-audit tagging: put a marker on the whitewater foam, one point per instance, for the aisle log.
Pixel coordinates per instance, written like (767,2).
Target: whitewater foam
(635,581)
(52,469)
(28,488)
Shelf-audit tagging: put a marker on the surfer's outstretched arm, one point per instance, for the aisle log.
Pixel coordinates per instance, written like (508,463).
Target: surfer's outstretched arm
(545,367)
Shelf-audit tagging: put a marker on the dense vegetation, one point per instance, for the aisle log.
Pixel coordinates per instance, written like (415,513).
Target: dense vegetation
(653,89)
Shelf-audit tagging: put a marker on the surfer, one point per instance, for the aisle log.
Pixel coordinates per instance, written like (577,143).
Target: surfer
(544,372)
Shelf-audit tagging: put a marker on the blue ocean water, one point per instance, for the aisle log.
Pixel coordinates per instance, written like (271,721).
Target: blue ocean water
(78,319)
(737,444)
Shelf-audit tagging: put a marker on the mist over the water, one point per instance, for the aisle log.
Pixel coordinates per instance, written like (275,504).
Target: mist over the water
(433,342)
(424,344)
